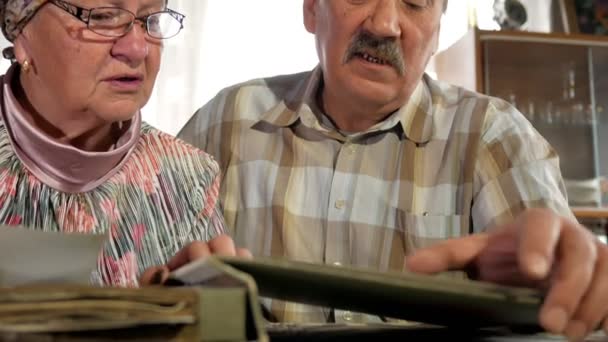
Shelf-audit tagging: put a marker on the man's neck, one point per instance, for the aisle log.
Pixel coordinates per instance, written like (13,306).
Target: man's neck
(350,115)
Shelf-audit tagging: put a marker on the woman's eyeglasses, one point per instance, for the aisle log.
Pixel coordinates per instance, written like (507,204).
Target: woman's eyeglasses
(117,22)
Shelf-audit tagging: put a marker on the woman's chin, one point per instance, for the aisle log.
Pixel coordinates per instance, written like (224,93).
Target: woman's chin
(119,112)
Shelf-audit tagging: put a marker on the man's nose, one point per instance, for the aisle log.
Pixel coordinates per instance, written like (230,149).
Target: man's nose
(133,47)
(384,19)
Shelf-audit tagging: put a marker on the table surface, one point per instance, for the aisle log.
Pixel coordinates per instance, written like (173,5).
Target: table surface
(297,333)
(378,333)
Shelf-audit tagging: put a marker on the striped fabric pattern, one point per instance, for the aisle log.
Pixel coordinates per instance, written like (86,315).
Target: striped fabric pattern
(165,196)
(448,163)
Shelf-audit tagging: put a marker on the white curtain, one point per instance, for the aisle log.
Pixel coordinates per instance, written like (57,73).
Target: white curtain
(225,42)
(4,63)
(175,95)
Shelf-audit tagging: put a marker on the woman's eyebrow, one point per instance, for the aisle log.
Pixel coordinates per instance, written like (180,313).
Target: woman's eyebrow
(157,4)
(160,4)
(111,3)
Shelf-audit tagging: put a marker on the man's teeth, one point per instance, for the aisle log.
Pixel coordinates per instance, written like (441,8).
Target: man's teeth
(373,59)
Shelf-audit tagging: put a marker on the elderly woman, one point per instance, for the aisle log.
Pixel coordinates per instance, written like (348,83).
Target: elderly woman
(75,155)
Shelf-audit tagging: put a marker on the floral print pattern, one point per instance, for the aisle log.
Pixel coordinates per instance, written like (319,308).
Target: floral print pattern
(162,198)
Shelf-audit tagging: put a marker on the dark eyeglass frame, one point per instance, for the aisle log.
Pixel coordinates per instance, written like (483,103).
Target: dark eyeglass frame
(84,15)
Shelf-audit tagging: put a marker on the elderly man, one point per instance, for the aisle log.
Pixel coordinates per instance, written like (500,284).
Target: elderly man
(365,160)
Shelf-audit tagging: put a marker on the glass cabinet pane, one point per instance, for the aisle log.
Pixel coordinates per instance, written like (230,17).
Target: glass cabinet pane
(558,82)
(599,64)
(552,84)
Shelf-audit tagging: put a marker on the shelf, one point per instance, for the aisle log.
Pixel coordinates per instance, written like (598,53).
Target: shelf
(590,212)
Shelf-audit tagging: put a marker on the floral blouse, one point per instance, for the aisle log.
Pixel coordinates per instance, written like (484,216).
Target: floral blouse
(163,197)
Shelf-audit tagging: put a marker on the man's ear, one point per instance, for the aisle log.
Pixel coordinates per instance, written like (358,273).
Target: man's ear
(436,40)
(310,15)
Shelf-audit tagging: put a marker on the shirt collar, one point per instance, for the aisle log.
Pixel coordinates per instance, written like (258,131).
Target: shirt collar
(297,101)
(415,117)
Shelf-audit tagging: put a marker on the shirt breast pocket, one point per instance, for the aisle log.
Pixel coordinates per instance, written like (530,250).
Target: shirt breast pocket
(424,230)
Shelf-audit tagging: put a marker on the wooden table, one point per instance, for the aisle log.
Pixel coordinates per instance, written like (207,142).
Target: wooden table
(327,333)
(597,214)
(376,333)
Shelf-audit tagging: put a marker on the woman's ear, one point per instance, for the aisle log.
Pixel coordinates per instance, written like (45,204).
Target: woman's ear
(310,15)
(21,49)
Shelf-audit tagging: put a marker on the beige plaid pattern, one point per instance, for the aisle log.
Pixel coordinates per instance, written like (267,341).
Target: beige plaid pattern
(448,163)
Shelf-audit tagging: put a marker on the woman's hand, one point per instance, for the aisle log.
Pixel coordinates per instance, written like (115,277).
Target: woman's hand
(221,245)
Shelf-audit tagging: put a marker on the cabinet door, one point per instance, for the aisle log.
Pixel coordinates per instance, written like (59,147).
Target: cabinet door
(599,70)
(551,85)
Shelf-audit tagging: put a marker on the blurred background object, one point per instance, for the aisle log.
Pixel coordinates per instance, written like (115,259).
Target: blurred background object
(510,14)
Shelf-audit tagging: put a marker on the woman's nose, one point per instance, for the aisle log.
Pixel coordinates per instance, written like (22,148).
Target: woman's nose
(133,47)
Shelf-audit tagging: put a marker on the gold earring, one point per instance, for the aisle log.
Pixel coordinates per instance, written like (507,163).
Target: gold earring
(26,66)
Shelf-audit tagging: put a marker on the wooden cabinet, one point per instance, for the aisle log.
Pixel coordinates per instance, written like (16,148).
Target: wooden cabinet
(559,82)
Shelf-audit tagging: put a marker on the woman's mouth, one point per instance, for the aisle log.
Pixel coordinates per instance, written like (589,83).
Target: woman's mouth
(126,83)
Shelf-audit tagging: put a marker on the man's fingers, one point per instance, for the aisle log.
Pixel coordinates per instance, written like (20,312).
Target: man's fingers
(244,253)
(577,253)
(540,233)
(222,245)
(195,250)
(448,255)
(593,309)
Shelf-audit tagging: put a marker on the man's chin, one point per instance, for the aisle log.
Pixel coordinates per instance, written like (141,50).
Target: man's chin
(375,92)
(371,70)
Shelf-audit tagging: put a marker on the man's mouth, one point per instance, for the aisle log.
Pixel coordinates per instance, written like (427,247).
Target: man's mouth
(372,59)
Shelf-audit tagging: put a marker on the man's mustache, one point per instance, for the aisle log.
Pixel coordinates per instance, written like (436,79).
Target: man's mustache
(385,49)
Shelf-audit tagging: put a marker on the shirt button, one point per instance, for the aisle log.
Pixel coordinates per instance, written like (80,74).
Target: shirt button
(337,263)
(349,147)
(347,316)
(309,121)
(340,204)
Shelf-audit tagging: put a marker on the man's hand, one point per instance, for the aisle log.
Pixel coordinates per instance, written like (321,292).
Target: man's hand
(221,245)
(537,249)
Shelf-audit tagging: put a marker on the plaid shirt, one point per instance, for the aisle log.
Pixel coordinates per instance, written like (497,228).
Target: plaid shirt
(448,163)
